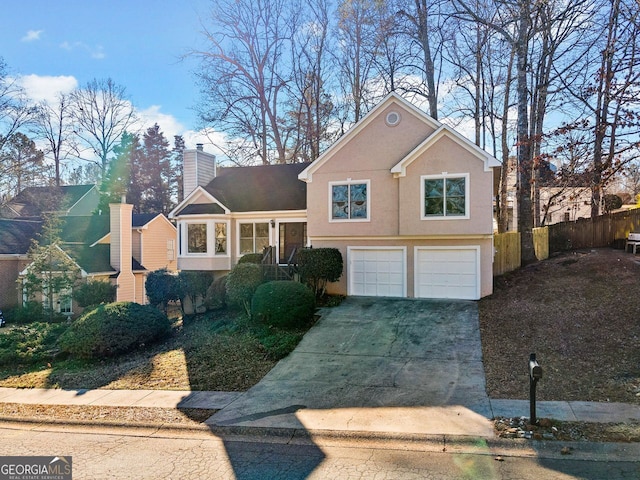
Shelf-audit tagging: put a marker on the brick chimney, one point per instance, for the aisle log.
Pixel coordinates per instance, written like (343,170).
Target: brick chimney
(199,168)
(121,252)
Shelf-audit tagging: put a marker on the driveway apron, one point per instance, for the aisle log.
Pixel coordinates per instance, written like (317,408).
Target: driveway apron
(372,364)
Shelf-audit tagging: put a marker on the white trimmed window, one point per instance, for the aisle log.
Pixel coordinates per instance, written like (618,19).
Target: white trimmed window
(445,196)
(349,201)
(206,238)
(196,238)
(221,238)
(253,237)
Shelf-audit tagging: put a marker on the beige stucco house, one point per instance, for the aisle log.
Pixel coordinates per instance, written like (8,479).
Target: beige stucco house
(406,199)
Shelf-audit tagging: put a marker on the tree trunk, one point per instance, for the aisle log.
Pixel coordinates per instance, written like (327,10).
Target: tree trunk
(525,164)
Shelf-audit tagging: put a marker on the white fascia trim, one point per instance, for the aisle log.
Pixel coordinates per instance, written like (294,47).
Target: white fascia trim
(400,169)
(306,174)
(270,213)
(187,201)
(26,269)
(146,225)
(400,238)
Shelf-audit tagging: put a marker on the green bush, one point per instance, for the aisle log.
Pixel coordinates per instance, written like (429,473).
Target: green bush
(251,258)
(114,328)
(94,293)
(28,313)
(283,304)
(317,266)
(216,296)
(242,282)
(162,287)
(29,344)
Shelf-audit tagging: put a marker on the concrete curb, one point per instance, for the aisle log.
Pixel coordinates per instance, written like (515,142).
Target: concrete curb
(445,443)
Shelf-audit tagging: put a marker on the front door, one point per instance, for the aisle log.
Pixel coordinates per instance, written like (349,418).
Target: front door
(293,236)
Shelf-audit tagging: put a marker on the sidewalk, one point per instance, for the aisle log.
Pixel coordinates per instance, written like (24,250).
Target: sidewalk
(573,411)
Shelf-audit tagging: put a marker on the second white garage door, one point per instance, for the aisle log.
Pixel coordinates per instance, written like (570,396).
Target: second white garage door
(447,272)
(377,272)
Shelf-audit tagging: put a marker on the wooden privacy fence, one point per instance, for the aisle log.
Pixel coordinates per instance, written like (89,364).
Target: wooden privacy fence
(507,254)
(609,230)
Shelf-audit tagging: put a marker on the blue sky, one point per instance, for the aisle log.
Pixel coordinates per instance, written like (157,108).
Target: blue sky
(52,45)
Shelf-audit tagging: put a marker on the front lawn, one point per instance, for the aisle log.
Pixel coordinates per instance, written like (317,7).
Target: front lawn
(219,350)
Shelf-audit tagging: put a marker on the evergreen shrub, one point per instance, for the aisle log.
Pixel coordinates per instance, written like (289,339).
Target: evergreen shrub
(242,282)
(114,328)
(317,266)
(283,304)
(251,258)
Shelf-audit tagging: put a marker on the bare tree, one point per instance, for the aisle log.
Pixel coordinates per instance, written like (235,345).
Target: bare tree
(609,94)
(245,74)
(540,33)
(358,47)
(424,26)
(102,113)
(21,165)
(15,110)
(312,106)
(54,124)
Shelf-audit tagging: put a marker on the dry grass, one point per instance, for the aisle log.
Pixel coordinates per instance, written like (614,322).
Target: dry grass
(580,313)
(207,353)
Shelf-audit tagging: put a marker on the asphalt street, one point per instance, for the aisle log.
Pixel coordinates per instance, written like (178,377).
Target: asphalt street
(141,454)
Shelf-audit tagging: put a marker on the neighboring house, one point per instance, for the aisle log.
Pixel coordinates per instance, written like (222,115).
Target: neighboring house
(68,200)
(119,247)
(559,201)
(407,200)
(15,240)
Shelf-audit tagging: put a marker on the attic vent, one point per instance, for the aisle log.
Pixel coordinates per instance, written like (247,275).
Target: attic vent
(393,119)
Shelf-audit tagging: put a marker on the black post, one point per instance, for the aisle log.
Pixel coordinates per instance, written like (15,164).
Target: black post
(535,374)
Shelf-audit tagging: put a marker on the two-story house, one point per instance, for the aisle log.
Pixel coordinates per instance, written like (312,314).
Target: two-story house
(406,199)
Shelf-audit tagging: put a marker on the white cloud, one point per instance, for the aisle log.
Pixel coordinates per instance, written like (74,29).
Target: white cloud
(170,127)
(167,122)
(45,87)
(32,36)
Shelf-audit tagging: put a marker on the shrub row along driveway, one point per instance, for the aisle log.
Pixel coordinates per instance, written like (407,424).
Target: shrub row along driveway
(369,354)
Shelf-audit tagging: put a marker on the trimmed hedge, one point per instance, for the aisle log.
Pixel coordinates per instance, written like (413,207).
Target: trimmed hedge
(317,266)
(251,258)
(114,328)
(242,282)
(283,304)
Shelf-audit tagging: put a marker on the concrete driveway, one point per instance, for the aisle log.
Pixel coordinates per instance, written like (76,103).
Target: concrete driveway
(376,364)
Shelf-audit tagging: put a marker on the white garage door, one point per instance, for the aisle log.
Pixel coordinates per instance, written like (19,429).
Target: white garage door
(377,272)
(447,272)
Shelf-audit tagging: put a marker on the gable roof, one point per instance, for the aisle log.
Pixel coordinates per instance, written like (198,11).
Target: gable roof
(399,169)
(258,188)
(84,228)
(391,98)
(16,235)
(96,258)
(33,201)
